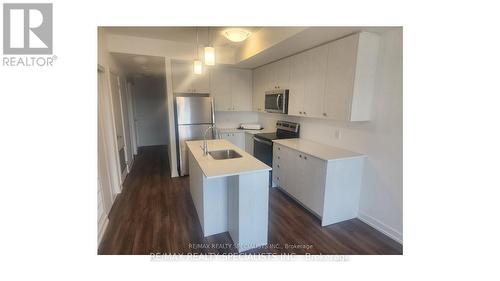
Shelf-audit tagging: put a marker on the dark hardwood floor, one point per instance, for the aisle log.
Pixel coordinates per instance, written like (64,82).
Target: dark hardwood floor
(155,214)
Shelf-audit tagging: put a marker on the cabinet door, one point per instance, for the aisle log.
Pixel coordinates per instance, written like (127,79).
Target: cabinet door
(312,182)
(269,77)
(281,71)
(315,81)
(241,89)
(220,84)
(249,143)
(258,89)
(201,82)
(340,77)
(239,139)
(297,82)
(182,76)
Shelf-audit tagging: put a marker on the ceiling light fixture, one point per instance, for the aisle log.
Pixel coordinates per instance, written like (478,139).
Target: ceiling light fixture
(209,51)
(236,34)
(197,65)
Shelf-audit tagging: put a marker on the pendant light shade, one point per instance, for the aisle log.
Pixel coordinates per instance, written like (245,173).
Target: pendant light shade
(197,67)
(209,55)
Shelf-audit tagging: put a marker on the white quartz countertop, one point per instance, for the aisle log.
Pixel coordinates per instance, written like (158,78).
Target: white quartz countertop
(213,168)
(236,130)
(318,150)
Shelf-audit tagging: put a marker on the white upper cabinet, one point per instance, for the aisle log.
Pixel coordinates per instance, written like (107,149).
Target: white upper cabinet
(185,81)
(307,82)
(279,75)
(315,75)
(231,89)
(333,81)
(241,85)
(298,68)
(350,83)
(259,78)
(220,89)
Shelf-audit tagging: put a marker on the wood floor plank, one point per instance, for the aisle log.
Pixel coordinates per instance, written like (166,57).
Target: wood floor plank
(155,214)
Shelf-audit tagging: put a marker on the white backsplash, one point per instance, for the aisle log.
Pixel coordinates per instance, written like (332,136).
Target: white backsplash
(228,119)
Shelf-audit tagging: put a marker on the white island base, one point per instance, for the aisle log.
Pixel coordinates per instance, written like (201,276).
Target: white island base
(233,197)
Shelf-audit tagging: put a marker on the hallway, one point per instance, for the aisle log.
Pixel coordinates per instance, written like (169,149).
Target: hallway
(155,214)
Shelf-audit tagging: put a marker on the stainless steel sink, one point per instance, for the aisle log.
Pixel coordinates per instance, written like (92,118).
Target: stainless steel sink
(224,154)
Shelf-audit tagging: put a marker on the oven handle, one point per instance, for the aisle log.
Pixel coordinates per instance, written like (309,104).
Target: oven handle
(263,141)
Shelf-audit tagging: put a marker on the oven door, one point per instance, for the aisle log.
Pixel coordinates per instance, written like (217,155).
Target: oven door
(263,150)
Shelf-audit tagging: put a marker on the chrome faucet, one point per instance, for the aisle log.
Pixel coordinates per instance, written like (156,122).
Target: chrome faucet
(205,144)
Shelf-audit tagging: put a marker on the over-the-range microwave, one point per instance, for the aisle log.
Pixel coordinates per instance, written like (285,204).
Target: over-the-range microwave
(276,101)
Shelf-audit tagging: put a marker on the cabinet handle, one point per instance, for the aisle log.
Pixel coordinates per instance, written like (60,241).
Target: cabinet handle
(300,155)
(300,112)
(278,165)
(278,178)
(278,157)
(305,157)
(305,112)
(279,148)
(324,114)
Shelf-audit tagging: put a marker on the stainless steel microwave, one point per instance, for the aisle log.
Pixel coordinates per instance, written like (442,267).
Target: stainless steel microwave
(276,101)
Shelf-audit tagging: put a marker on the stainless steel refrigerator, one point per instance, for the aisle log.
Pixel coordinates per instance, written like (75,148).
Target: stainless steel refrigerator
(193,115)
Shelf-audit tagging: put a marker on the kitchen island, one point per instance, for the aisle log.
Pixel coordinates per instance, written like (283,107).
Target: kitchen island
(230,191)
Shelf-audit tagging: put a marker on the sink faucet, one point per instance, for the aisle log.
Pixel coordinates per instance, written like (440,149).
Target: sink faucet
(205,144)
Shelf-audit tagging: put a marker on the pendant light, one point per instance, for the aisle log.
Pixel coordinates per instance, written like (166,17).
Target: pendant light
(209,51)
(197,65)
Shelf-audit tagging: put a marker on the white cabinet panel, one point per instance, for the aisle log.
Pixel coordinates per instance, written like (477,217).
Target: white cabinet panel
(328,189)
(249,143)
(231,89)
(297,84)
(241,88)
(350,82)
(314,88)
(259,76)
(237,138)
(220,83)
(185,81)
(181,77)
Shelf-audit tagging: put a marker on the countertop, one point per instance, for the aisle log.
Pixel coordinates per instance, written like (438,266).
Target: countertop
(236,130)
(227,167)
(318,150)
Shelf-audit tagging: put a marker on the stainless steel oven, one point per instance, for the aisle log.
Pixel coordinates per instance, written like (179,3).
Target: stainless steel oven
(277,101)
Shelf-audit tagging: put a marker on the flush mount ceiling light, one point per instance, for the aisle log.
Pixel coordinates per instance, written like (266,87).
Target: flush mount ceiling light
(236,34)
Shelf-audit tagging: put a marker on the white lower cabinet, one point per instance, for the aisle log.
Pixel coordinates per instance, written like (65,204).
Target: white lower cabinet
(329,189)
(237,138)
(249,143)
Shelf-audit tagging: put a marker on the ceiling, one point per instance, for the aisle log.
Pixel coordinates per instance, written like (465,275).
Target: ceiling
(139,64)
(265,45)
(186,34)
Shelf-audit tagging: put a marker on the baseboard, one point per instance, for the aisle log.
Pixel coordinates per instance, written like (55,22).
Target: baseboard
(102,229)
(380,226)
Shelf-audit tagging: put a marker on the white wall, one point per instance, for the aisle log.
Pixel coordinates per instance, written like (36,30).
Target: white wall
(229,119)
(150,110)
(381,203)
